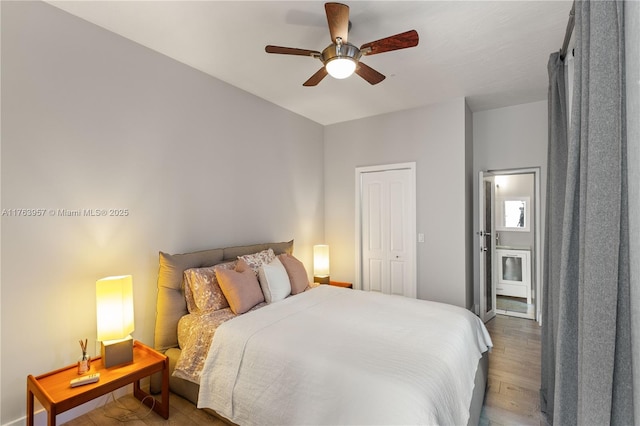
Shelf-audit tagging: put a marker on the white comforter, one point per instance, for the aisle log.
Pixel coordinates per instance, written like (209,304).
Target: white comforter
(338,356)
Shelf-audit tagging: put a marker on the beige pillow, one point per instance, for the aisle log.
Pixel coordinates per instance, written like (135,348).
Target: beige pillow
(240,287)
(297,273)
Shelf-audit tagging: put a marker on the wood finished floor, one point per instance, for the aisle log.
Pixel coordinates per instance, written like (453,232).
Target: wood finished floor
(511,398)
(128,411)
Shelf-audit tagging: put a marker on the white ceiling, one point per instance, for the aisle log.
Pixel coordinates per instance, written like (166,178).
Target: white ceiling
(494,53)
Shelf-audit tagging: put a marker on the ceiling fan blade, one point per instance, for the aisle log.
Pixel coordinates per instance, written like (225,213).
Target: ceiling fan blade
(291,51)
(395,42)
(316,78)
(369,74)
(338,20)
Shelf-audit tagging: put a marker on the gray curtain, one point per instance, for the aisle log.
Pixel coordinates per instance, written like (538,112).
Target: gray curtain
(586,355)
(556,182)
(632,59)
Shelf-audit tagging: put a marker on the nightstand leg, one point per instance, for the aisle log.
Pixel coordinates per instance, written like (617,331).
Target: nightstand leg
(160,407)
(51,417)
(29,408)
(165,389)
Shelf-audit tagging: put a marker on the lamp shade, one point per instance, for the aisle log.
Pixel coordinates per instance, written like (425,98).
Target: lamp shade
(114,303)
(321,260)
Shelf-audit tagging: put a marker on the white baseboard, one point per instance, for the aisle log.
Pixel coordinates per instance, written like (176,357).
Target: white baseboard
(40,417)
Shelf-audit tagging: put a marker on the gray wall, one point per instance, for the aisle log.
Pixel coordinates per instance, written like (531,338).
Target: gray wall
(435,138)
(509,138)
(91,120)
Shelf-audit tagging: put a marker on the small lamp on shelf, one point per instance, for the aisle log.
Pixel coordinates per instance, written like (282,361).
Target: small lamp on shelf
(321,264)
(114,305)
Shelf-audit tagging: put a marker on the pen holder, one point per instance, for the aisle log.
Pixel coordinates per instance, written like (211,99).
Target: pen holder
(84,364)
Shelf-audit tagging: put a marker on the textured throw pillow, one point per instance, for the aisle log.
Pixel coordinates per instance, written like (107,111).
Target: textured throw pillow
(188,296)
(240,286)
(202,285)
(296,271)
(274,281)
(256,260)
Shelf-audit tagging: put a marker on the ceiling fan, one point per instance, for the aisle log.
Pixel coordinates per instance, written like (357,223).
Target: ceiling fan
(341,58)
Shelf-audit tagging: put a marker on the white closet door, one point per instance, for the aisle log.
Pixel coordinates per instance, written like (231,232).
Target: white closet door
(388,245)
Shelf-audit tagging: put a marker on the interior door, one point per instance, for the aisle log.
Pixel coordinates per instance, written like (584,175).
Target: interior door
(486,240)
(387,224)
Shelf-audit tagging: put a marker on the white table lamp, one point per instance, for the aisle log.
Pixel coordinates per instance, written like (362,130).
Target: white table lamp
(114,303)
(321,264)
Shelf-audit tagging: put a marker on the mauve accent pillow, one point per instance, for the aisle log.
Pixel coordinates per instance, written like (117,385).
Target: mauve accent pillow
(240,287)
(274,281)
(297,273)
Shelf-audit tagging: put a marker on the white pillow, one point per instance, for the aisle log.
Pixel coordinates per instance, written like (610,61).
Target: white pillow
(274,281)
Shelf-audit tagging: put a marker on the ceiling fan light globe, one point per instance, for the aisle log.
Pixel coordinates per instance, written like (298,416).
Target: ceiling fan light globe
(340,67)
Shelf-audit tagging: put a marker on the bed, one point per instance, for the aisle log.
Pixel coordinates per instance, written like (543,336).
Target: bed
(326,355)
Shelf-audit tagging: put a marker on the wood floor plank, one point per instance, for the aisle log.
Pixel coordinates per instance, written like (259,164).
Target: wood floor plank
(526,409)
(520,393)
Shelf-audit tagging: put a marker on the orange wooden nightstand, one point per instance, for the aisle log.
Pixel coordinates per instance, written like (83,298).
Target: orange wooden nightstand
(341,284)
(55,393)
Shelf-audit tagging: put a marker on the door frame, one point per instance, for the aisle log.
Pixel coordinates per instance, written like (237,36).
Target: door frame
(538,247)
(411,167)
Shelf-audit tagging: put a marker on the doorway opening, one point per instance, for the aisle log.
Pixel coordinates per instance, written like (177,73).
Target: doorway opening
(510,247)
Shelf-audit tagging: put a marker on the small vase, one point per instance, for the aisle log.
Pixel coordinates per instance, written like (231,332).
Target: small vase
(84,364)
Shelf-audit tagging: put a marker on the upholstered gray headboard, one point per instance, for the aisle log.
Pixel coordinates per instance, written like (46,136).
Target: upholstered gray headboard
(171,304)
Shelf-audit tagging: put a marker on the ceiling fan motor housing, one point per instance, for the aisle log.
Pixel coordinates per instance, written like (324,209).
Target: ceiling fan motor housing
(341,51)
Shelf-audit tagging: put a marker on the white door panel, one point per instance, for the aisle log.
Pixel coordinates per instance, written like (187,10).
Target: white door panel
(374,275)
(398,277)
(372,241)
(387,226)
(398,218)
(373,220)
